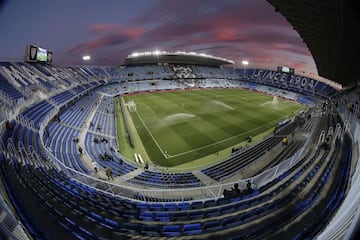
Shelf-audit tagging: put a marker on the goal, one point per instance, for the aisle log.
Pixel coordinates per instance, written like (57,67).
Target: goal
(131,106)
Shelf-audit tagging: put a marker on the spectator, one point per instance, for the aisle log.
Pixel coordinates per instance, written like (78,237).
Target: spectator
(248,185)
(80,150)
(96,140)
(146,167)
(108,157)
(285,141)
(236,190)
(102,158)
(108,173)
(227,193)
(7,125)
(94,166)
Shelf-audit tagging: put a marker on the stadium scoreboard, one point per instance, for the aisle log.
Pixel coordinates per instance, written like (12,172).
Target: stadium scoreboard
(34,53)
(285,69)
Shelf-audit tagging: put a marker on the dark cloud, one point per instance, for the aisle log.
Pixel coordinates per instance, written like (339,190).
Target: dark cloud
(232,24)
(110,35)
(102,28)
(233,29)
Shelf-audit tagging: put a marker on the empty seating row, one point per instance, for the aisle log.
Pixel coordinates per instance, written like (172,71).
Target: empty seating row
(103,121)
(122,217)
(77,114)
(37,112)
(62,142)
(166,180)
(10,90)
(238,161)
(104,154)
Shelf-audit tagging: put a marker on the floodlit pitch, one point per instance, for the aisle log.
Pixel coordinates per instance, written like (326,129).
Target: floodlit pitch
(178,127)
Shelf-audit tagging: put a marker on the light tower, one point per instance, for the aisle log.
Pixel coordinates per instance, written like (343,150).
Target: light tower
(244,63)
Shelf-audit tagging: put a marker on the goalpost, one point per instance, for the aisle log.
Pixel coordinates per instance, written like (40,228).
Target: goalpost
(131,106)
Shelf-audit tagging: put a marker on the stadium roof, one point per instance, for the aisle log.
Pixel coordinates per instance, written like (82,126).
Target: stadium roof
(330,30)
(156,57)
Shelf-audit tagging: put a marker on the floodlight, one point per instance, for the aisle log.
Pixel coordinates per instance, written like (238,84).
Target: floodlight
(86,58)
(245,62)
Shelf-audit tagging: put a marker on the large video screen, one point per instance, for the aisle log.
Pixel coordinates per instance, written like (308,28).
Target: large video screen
(285,69)
(41,55)
(49,56)
(37,54)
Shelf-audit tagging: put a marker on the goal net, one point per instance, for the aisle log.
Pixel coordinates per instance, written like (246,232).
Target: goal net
(131,106)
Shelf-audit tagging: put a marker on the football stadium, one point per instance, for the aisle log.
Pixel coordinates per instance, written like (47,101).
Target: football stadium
(182,145)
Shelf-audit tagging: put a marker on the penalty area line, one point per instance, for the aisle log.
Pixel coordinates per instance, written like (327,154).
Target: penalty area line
(152,137)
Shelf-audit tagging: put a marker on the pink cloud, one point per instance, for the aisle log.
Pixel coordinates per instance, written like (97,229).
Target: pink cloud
(101,28)
(229,28)
(110,35)
(134,32)
(227,34)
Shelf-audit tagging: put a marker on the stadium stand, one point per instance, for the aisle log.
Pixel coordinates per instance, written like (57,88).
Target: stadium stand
(222,209)
(101,153)
(294,193)
(166,180)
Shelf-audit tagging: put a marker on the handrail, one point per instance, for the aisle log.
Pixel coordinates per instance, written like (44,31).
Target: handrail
(344,222)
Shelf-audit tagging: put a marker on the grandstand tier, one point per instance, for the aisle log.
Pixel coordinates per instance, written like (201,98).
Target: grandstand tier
(51,142)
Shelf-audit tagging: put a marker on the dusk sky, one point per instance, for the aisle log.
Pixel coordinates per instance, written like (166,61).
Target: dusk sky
(109,30)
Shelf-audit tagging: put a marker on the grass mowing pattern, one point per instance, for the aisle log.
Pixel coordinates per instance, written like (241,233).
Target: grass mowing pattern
(178,127)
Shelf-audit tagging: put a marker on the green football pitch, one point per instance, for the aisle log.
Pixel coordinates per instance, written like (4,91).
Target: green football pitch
(181,126)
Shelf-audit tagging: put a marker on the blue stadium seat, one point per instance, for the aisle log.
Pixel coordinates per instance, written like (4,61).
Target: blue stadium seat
(172,230)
